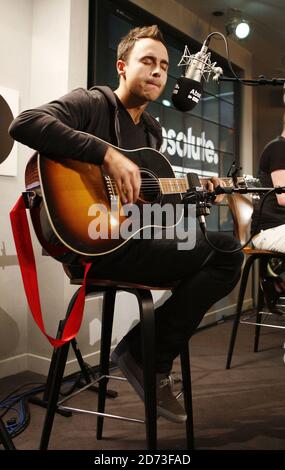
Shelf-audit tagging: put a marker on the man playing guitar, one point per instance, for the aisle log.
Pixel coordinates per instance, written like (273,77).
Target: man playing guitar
(68,127)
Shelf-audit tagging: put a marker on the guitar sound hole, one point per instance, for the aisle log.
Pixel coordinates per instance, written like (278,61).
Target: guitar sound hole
(150,188)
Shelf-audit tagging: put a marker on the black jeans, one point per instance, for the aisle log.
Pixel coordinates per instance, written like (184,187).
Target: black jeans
(201,276)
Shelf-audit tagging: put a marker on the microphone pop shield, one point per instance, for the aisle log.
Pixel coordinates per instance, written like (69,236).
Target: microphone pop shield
(186,94)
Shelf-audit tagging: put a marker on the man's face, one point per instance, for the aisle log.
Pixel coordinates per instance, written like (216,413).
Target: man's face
(145,70)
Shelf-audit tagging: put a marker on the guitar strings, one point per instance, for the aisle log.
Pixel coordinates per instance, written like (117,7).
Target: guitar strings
(149,186)
(146,182)
(152,189)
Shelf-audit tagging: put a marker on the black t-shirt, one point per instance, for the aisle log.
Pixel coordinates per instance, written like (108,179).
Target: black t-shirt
(272,158)
(133,136)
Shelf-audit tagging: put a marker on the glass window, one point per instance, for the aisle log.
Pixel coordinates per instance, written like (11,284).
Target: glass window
(226,161)
(210,105)
(118,28)
(211,135)
(174,59)
(111,70)
(212,87)
(201,140)
(197,110)
(227,141)
(226,92)
(226,114)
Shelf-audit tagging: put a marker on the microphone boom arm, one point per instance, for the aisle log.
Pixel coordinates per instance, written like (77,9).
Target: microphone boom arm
(245,190)
(261,80)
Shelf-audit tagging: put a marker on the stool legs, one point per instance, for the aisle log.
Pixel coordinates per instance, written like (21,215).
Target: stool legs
(260,304)
(106,337)
(263,260)
(146,308)
(241,295)
(60,361)
(148,353)
(148,360)
(44,400)
(187,392)
(54,383)
(262,272)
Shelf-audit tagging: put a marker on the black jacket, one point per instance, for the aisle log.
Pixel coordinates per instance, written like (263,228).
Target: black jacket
(67,127)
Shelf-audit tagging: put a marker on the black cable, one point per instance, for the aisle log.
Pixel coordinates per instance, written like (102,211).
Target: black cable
(17,425)
(19,388)
(14,425)
(18,398)
(217,33)
(204,229)
(10,401)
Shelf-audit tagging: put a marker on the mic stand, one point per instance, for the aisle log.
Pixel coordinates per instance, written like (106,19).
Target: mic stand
(233,173)
(261,80)
(223,190)
(196,195)
(204,202)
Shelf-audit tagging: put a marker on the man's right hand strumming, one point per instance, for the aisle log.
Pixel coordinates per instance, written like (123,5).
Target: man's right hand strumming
(125,173)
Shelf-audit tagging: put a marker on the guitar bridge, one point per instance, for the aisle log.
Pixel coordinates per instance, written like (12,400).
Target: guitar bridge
(111,189)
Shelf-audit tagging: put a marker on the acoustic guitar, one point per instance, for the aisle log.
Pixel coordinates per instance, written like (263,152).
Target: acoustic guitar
(83,207)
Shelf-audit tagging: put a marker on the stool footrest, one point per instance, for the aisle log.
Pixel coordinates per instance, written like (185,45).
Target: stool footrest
(91,385)
(105,415)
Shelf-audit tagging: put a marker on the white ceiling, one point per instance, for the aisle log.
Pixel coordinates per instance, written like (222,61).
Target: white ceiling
(267,17)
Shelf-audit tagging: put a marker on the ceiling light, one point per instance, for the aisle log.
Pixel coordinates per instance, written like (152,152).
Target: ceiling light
(242,30)
(237,26)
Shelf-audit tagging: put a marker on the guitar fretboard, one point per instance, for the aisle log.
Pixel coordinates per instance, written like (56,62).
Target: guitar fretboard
(173,185)
(180,185)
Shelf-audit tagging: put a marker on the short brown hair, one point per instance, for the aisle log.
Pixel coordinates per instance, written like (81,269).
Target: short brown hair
(127,42)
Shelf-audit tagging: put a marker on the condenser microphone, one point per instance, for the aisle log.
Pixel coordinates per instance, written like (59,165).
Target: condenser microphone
(188,89)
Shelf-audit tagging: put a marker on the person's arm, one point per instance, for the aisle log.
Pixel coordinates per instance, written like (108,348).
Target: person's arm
(55,129)
(278,179)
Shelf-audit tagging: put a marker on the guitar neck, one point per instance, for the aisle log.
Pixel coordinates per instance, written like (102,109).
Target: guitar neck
(180,185)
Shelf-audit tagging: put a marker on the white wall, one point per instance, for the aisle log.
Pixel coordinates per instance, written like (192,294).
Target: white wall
(57,29)
(46,57)
(15,54)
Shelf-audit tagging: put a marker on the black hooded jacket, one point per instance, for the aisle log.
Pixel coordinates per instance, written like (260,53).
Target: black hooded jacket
(68,127)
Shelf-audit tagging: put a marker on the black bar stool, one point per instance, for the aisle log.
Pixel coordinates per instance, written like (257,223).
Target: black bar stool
(241,207)
(146,307)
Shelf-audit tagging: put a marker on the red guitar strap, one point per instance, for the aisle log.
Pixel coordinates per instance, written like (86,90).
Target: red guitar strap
(24,248)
